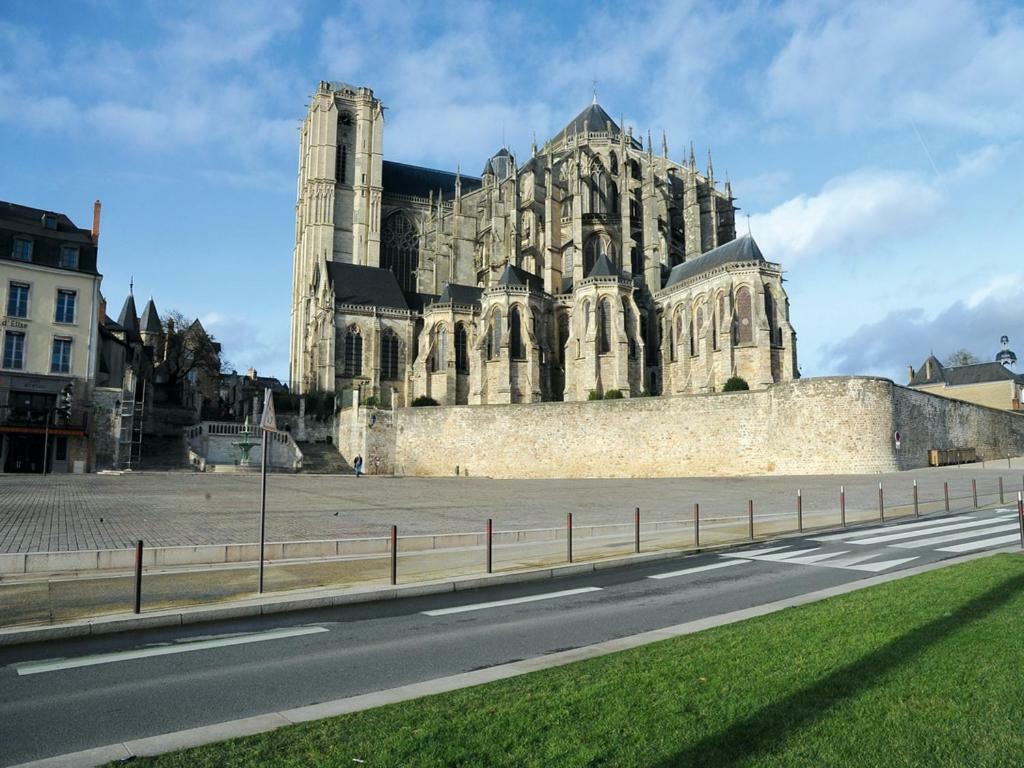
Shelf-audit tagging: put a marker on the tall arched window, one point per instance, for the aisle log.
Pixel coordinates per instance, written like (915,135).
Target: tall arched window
(494,338)
(630,326)
(720,314)
(515,335)
(400,249)
(604,328)
(698,331)
(586,318)
(340,163)
(439,354)
(353,363)
(676,337)
(597,245)
(613,164)
(743,328)
(389,355)
(461,349)
(563,336)
(598,191)
(770,311)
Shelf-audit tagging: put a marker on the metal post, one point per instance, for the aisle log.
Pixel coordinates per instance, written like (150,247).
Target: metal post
(696,526)
(1008,465)
(636,530)
(799,511)
(568,536)
(917,508)
(394,555)
(46,441)
(138,577)
(881,504)
(750,518)
(263,506)
(1020,516)
(490,538)
(1001,498)
(974,491)
(842,505)
(945,493)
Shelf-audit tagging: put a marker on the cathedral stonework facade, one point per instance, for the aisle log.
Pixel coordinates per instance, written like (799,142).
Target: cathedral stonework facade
(595,264)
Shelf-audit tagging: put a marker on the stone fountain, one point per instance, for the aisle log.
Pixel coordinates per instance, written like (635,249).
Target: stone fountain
(245,444)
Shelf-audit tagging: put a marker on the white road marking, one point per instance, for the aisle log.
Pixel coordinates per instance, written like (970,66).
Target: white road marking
(53,665)
(960,536)
(898,535)
(758,552)
(698,569)
(512,601)
(812,559)
(901,526)
(972,545)
(774,557)
(845,562)
(879,566)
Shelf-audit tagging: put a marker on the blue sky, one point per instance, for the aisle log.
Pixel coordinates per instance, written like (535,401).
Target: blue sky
(877,148)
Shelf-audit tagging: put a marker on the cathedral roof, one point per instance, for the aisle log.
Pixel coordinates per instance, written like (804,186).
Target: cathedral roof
(603,267)
(513,275)
(468,295)
(129,317)
(416,181)
(593,118)
(372,286)
(739,250)
(150,322)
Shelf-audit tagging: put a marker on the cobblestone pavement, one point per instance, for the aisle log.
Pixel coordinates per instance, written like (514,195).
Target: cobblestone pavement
(64,513)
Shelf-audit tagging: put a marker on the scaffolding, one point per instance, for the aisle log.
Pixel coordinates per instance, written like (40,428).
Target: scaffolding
(133,405)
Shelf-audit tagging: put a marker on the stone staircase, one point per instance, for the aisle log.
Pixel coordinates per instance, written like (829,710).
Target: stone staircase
(323,459)
(161,453)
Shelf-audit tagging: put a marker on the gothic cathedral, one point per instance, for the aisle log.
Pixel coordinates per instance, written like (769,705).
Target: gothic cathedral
(595,265)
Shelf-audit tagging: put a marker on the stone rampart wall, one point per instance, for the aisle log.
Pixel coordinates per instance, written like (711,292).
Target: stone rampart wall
(810,426)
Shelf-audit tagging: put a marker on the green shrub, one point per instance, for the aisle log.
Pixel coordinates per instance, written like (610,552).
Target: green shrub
(594,395)
(736,384)
(423,400)
(613,394)
(371,401)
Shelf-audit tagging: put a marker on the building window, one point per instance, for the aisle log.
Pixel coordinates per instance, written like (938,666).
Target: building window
(65,307)
(389,356)
(604,328)
(494,339)
(400,249)
(60,361)
(771,314)
(340,162)
(49,221)
(697,331)
(515,335)
(743,329)
(22,249)
(17,300)
(14,350)
(595,247)
(630,330)
(439,354)
(60,451)
(69,257)
(353,353)
(461,349)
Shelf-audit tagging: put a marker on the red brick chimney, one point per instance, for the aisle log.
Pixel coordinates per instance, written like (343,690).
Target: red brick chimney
(96,221)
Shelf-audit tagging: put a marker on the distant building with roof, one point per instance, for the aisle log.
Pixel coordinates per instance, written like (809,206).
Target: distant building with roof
(50,286)
(594,264)
(994,384)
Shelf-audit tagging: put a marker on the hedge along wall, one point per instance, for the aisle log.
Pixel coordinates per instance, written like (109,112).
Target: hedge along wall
(811,426)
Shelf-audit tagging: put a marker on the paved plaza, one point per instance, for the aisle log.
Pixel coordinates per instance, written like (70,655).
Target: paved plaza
(74,512)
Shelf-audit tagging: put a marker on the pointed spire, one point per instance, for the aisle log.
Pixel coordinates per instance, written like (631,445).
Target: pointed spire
(595,93)
(458,182)
(664,144)
(533,144)
(131,285)
(649,150)
(711,168)
(728,186)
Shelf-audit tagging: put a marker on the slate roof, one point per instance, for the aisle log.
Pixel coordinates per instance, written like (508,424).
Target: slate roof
(129,317)
(150,322)
(739,250)
(416,181)
(22,220)
(602,267)
(515,276)
(468,295)
(372,286)
(960,375)
(593,118)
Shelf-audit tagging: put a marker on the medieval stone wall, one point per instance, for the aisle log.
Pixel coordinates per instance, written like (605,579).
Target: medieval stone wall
(811,426)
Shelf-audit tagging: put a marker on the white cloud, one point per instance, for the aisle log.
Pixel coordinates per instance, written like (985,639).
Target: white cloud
(945,63)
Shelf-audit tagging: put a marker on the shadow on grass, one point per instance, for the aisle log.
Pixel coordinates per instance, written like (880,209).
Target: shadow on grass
(771,726)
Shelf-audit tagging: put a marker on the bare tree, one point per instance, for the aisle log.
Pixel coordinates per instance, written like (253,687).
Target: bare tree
(961,357)
(191,356)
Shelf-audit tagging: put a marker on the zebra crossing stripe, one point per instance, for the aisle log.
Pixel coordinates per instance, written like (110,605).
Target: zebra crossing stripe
(880,566)
(960,536)
(897,536)
(812,559)
(902,527)
(985,543)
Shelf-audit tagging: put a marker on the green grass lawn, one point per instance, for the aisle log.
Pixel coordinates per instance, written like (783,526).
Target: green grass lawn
(925,671)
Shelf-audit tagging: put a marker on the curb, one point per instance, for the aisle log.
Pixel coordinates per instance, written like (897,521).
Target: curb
(232,729)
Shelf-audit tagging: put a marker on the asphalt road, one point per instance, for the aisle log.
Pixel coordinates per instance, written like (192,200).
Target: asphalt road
(55,699)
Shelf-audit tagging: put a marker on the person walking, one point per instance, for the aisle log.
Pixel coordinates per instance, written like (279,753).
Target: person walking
(357,465)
